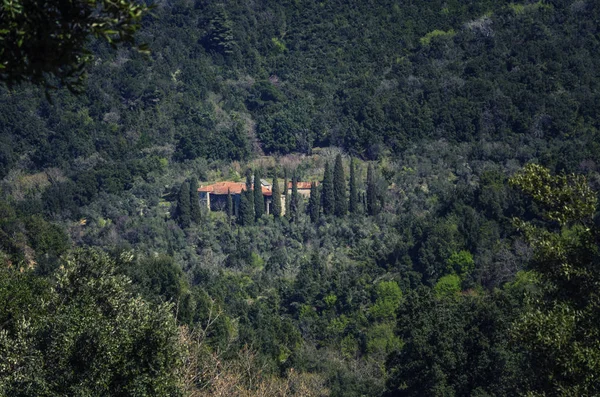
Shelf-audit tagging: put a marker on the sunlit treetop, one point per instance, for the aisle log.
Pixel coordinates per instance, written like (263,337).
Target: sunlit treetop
(564,198)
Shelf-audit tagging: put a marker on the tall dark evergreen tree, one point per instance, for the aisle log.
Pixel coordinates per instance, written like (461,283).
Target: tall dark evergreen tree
(328,195)
(249,191)
(276,207)
(294,199)
(259,201)
(196,214)
(353,200)
(313,203)
(246,210)
(229,207)
(286,196)
(339,188)
(183,205)
(372,203)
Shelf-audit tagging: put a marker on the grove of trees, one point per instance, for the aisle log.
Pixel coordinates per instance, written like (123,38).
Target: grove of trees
(449,246)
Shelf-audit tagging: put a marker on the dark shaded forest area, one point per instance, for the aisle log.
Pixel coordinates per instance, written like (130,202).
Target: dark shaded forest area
(450,247)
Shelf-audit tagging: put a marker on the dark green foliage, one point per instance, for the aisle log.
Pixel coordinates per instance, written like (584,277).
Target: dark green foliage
(294,199)
(249,193)
(354,101)
(248,180)
(259,201)
(441,100)
(263,95)
(59,200)
(40,39)
(183,210)
(195,212)
(218,34)
(353,203)
(372,202)
(328,195)
(10,236)
(82,332)
(276,204)
(246,209)
(286,195)
(456,346)
(339,188)
(158,279)
(46,238)
(314,201)
(561,329)
(229,209)
(20,293)
(310,280)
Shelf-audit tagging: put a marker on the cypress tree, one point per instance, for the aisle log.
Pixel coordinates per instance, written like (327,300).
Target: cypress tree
(276,198)
(339,187)
(371,191)
(183,205)
(259,201)
(313,203)
(295,199)
(286,196)
(246,211)
(353,200)
(196,214)
(229,207)
(328,197)
(249,194)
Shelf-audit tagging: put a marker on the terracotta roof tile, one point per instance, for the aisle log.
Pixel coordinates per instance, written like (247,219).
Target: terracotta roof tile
(222,188)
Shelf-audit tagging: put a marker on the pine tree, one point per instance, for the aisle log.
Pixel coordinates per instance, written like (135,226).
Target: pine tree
(313,203)
(339,188)
(353,200)
(183,205)
(259,201)
(328,197)
(229,207)
(372,205)
(295,199)
(196,214)
(276,198)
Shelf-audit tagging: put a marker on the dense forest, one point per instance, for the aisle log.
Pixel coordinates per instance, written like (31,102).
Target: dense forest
(449,246)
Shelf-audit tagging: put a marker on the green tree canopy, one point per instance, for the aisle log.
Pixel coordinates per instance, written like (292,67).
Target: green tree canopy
(328,191)
(372,203)
(295,198)
(353,199)
(562,328)
(184,210)
(276,198)
(195,212)
(339,187)
(85,334)
(259,201)
(314,203)
(48,38)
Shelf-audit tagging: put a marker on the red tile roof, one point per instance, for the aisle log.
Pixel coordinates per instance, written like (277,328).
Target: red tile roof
(221,188)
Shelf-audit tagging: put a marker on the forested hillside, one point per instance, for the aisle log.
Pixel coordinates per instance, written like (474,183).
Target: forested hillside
(450,247)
